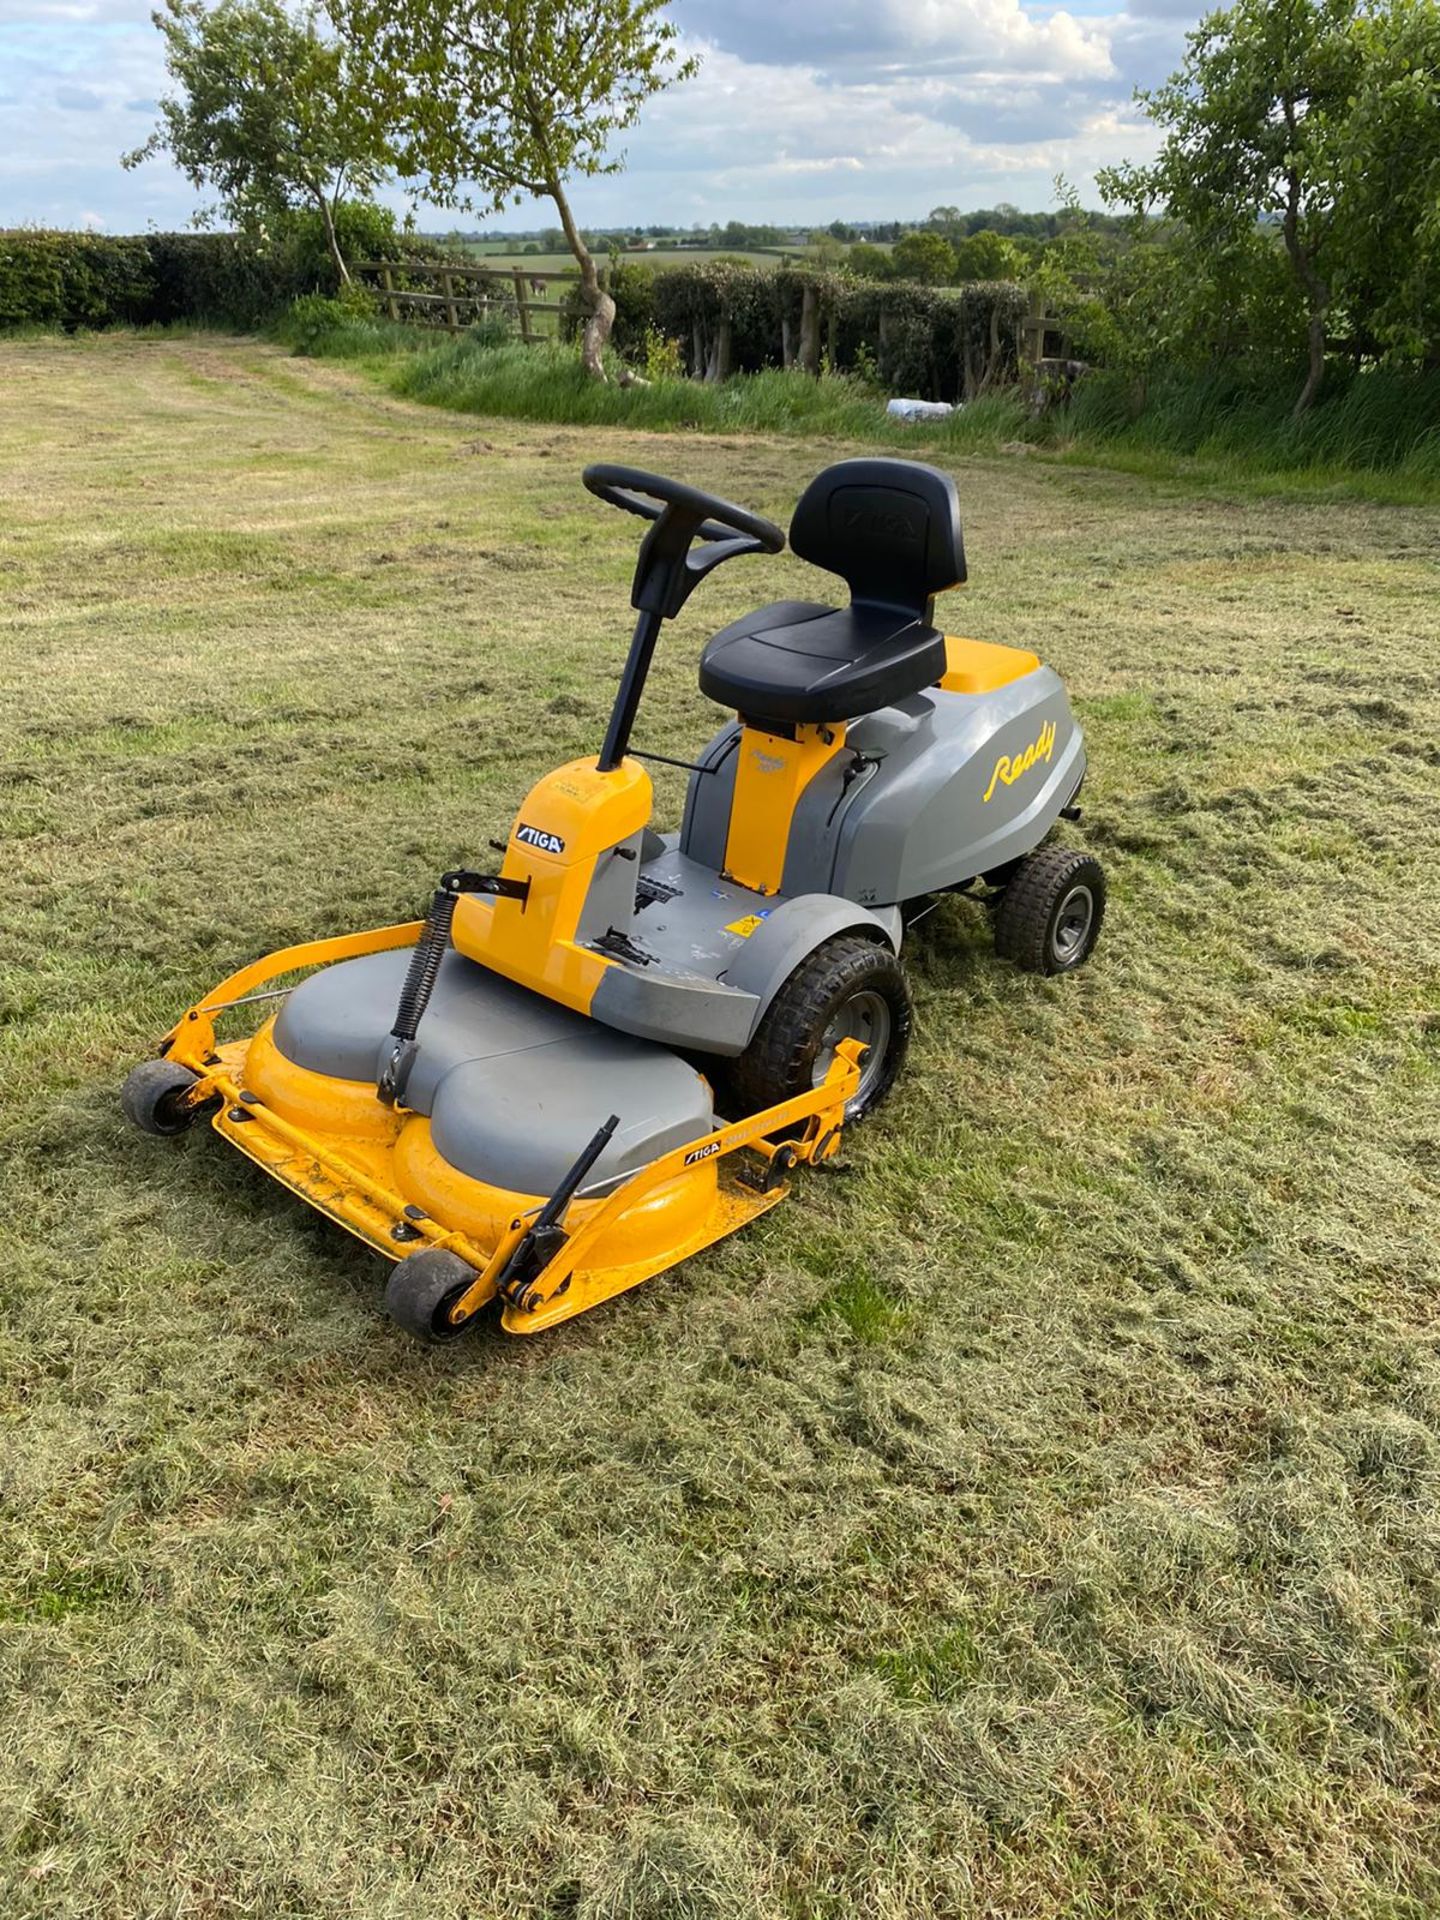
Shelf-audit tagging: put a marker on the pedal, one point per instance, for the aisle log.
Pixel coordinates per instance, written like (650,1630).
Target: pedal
(650,892)
(619,946)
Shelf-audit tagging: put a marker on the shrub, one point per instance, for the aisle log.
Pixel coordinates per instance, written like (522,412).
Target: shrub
(664,358)
(942,343)
(313,320)
(73,280)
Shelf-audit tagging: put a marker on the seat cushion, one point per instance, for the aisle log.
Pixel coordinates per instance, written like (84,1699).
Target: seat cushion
(799,662)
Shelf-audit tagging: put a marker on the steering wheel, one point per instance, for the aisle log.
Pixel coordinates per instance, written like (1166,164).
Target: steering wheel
(653,495)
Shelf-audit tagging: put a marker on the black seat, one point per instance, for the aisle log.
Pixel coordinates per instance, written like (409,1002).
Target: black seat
(891,530)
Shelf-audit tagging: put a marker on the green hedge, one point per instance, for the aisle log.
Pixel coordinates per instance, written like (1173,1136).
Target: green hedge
(940,343)
(75,280)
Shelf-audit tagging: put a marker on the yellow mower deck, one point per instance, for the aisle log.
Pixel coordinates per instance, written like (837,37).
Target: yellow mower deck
(375,1171)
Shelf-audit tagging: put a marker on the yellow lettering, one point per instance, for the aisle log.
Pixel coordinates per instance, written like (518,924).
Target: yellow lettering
(1009,767)
(1002,772)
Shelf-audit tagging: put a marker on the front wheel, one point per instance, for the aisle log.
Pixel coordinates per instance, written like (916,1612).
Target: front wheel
(156,1097)
(849,988)
(1050,914)
(423,1288)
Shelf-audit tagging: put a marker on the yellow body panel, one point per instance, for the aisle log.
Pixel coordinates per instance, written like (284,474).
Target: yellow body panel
(586,815)
(980,666)
(771,773)
(376,1172)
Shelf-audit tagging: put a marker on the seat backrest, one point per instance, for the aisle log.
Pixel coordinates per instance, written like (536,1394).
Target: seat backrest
(889,528)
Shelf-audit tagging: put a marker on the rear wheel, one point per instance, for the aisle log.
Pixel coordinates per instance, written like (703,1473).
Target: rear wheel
(421,1291)
(155,1098)
(849,988)
(1050,915)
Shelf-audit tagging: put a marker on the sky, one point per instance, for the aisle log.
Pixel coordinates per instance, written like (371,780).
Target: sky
(803,111)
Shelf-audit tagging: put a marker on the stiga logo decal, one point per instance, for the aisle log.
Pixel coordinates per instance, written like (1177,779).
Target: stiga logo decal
(702,1153)
(537,837)
(1010,766)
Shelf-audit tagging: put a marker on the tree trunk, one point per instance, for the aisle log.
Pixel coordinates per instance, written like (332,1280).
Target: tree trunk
(721,352)
(1316,374)
(810,332)
(1317,294)
(602,307)
(327,215)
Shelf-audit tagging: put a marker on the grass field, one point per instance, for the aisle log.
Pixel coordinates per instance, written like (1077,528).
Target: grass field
(1037,1519)
(497,254)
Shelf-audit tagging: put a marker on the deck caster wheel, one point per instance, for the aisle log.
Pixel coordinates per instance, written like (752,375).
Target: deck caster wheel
(1050,914)
(849,988)
(421,1291)
(154,1097)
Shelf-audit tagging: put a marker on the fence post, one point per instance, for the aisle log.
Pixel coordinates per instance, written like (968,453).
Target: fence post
(390,303)
(524,305)
(452,317)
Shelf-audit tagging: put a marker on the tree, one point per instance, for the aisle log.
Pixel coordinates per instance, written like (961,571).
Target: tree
(491,102)
(869,262)
(925,257)
(268,114)
(1255,121)
(1388,221)
(987,256)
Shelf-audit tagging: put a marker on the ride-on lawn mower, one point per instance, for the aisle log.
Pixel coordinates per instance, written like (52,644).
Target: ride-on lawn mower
(579,1070)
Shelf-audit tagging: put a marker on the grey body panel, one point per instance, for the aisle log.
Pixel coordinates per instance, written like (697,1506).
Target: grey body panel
(514,1085)
(919,820)
(707,987)
(913,819)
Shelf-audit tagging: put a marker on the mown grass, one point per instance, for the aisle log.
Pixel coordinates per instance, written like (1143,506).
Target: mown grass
(1036,1519)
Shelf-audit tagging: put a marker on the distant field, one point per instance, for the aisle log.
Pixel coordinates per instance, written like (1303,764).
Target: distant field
(1035,1519)
(668,257)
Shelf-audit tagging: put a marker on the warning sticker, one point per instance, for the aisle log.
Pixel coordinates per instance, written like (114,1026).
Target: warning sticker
(748,925)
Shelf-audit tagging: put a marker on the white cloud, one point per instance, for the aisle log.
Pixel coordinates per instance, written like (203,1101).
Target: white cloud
(803,110)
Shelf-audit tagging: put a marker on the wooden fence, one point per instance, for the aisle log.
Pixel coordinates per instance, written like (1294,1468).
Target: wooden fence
(457,295)
(461,296)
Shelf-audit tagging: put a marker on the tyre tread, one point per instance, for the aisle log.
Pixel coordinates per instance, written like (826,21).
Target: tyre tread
(776,1063)
(1022,921)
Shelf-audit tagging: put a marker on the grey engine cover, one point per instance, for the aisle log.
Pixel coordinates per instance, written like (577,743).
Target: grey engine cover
(913,817)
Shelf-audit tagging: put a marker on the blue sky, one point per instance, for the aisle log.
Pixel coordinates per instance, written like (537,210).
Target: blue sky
(803,110)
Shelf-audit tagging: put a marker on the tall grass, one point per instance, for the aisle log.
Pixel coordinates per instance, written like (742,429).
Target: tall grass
(1375,433)
(1372,422)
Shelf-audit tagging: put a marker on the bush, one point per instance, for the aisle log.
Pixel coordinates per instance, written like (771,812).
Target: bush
(74,280)
(221,277)
(940,343)
(313,320)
